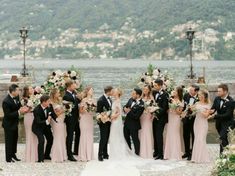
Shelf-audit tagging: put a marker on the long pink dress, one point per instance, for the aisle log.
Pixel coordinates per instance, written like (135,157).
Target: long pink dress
(200,152)
(173,141)
(146,135)
(58,150)
(85,151)
(31,149)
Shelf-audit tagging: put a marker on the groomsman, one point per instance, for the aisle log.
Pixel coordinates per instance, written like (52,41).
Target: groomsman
(41,127)
(12,110)
(72,120)
(104,103)
(190,99)
(223,108)
(161,117)
(133,109)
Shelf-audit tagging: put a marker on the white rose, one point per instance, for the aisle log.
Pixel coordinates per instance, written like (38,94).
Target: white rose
(156,72)
(58,72)
(73,73)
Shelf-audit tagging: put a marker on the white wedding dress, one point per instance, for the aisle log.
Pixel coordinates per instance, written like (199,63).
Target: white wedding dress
(122,161)
(118,148)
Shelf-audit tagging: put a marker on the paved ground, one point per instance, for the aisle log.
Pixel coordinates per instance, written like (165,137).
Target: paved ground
(183,168)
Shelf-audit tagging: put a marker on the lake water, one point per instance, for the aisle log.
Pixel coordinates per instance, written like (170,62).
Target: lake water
(122,73)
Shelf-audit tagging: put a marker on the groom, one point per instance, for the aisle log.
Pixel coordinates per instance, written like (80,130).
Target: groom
(104,103)
(133,110)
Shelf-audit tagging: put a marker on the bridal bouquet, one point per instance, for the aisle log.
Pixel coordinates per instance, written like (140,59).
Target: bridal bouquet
(91,107)
(104,116)
(151,107)
(190,111)
(68,107)
(32,101)
(58,78)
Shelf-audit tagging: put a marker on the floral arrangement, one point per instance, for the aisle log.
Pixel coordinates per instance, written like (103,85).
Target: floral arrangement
(104,116)
(91,107)
(68,107)
(32,101)
(225,164)
(151,106)
(154,73)
(58,78)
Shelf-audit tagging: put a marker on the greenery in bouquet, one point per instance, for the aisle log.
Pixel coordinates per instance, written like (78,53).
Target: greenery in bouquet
(68,107)
(104,116)
(225,164)
(154,73)
(151,107)
(58,78)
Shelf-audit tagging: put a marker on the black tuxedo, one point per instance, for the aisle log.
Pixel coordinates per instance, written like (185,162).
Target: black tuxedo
(72,124)
(103,104)
(188,123)
(161,98)
(10,124)
(132,123)
(224,118)
(40,128)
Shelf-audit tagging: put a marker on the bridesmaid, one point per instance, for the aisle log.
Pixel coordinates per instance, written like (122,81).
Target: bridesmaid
(200,152)
(173,140)
(85,151)
(31,154)
(58,151)
(146,120)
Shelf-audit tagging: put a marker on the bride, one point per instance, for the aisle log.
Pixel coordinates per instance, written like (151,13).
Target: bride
(117,143)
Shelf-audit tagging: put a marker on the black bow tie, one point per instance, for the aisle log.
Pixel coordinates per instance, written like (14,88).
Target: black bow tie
(14,98)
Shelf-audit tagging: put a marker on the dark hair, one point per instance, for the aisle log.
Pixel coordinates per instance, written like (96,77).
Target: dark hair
(180,91)
(108,89)
(159,82)
(13,88)
(196,87)
(224,87)
(69,83)
(25,93)
(149,88)
(44,98)
(138,91)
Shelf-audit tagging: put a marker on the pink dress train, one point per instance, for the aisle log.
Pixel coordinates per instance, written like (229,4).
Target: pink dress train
(85,151)
(31,149)
(173,140)
(200,152)
(146,136)
(58,150)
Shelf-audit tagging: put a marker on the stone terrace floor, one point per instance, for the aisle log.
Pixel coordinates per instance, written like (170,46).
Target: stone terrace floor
(74,169)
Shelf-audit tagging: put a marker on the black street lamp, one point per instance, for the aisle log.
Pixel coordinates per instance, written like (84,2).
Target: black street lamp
(24,35)
(190,37)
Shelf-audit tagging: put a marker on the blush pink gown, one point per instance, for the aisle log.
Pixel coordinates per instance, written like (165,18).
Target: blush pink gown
(85,151)
(200,152)
(173,141)
(146,136)
(31,149)
(58,150)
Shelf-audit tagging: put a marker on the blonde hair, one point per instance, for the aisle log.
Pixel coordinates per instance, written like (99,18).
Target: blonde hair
(86,90)
(205,93)
(52,96)
(120,91)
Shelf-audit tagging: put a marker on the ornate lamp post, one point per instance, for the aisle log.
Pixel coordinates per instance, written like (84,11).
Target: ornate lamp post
(190,37)
(24,35)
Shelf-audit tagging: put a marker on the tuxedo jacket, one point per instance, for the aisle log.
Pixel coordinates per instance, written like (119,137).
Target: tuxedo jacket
(224,113)
(39,122)
(162,100)
(186,98)
(102,104)
(75,111)
(11,115)
(132,120)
